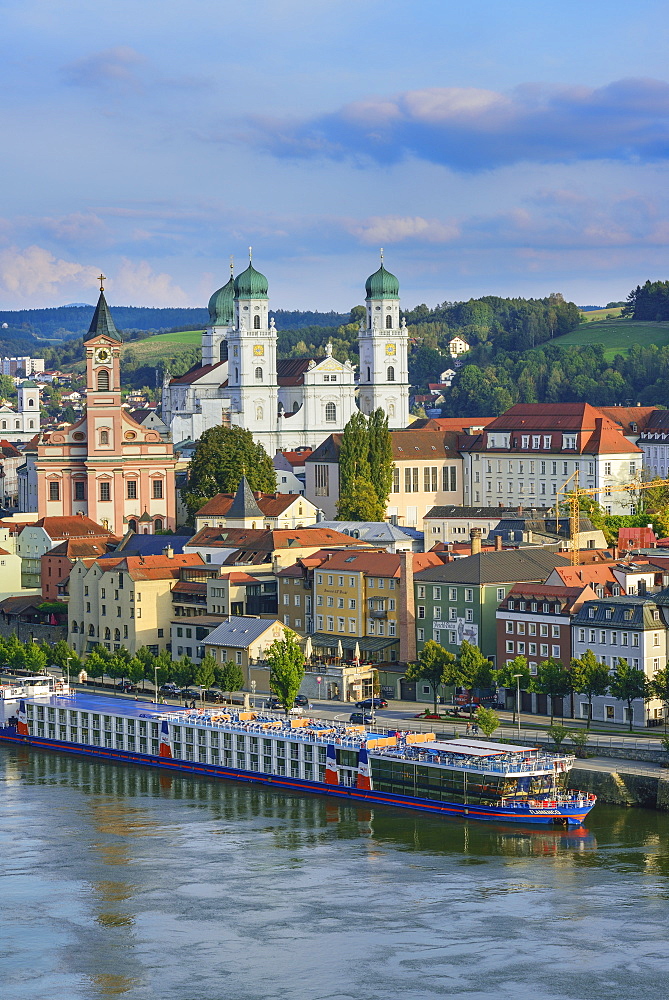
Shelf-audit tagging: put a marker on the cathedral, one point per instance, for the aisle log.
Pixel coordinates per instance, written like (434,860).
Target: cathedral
(294,402)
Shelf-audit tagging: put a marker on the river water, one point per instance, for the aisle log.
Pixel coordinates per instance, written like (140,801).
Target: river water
(122,882)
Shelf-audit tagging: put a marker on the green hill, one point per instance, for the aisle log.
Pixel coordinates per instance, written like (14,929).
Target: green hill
(617,335)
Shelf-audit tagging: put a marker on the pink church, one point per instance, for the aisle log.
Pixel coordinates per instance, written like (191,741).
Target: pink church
(107,466)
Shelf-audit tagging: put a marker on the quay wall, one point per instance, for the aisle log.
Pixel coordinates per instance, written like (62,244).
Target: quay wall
(624,787)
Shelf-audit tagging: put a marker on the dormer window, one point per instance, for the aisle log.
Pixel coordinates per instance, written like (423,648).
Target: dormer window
(510,604)
(569,442)
(592,612)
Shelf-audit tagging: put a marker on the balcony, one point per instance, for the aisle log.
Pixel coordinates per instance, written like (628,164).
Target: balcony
(378,613)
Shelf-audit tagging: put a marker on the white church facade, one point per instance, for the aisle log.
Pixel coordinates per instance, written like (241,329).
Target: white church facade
(23,423)
(293,402)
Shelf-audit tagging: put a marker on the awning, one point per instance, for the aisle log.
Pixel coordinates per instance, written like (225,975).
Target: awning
(367,644)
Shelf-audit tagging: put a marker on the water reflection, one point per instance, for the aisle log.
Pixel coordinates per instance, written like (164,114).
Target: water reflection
(126,881)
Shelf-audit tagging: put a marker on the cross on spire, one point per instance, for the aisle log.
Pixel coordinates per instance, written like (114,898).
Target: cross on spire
(102,277)
(232,266)
(250,255)
(381,251)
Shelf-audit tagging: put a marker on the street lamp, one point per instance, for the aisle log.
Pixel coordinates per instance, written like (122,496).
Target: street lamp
(67,668)
(155,681)
(253,693)
(517,678)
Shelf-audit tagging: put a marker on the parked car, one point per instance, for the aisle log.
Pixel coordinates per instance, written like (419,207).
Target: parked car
(126,686)
(171,689)
(274,704)
(360,719)
(191,694)
(302,701)
(367,703)
(298,705)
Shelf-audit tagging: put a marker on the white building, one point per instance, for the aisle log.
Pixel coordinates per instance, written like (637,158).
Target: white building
(523,457)
(294,402)
(30,366)
(22,423)
(457,346)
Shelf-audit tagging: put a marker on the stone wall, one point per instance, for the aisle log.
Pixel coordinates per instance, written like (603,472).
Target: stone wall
(623,787)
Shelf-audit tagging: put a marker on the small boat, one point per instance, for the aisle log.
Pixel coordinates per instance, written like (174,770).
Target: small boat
(478,779)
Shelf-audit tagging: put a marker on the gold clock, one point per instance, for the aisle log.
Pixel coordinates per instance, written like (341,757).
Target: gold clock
(102,355)
(258,350)
(390,349)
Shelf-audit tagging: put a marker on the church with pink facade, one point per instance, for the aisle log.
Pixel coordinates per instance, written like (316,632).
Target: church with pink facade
(106,466)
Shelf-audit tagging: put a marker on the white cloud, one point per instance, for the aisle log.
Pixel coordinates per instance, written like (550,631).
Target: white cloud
(396,229)
(34,273)
(136,281)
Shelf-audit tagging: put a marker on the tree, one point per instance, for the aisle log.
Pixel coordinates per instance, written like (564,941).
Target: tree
(488,721)
(505,677)
(558,733)
(589,677)
(34,658)
(380,457)
(659,688)
(473,670)
(205,674)
(135,670)
(60,653)
(628,684)
(551,679)
(230,677)
(359,502)
(184,672)
(286,668)
(435,665)
(222,457)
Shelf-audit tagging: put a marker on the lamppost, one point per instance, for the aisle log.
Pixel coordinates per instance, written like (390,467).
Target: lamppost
(155,681)
(517,677)
(67,668)
(253,693)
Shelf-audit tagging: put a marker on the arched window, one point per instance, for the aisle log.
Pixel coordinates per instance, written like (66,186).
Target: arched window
(117,635)
(296,406)
(256,322)
(158,524)
(389,322)
(31,402)
(330,413)
(236,374)
(91,630)
(104,437)
(258,374)
(81,628)
(31,424)
(132,524)
(18,424)
(369,374)
(223,351)
(103,380)
(75,627)
(107,634)
(4,425)
(391,374)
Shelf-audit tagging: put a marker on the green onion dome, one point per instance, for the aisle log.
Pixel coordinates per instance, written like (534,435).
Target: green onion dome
(222,305)
(382,285)
(251,284)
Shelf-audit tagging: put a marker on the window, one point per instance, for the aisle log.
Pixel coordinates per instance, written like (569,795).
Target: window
(79,491)
(436,593)
(607,468)
(469,594)
(509,646)
(391,371)
(330,413)
(105,491)
(389,322)
(54,491)
(509,626)
(449,479)
(420,634)
(321,481)
(104,437)
(256,322)
(396,479)
(132,489)
(157,489)
(103,380)
(501,593)
(452,593)
(556,651)
(258,374)
(421,611)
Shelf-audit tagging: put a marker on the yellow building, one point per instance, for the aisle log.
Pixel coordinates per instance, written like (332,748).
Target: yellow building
(124,601)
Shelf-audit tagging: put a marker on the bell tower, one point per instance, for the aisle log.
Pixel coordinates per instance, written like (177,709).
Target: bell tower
(383,344)
(103,358)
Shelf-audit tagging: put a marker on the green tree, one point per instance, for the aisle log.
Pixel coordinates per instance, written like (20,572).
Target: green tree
(589,677)
(434,665)
(380,457)
(136,671)
(15,653)
(222,457)
(553,680)
(659,688)
(286,668)
(359,502)
(96,665)
(628,684)
(184,672)
(60,653)
(579,737)
(558,733)
(34,658)
(474,671)
(230,677)
(205,673)
(487,720)
(505,677)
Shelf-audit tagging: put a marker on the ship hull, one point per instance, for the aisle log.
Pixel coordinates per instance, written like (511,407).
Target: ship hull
(559,816)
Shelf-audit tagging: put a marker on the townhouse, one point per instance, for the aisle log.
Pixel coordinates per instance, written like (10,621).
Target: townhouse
(246,509)
(266,548)
(630,628)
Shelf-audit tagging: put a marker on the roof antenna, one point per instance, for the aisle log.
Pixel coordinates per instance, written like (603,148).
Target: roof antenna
(102,278)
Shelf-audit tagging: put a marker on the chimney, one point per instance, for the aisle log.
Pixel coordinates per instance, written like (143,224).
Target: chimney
(498,543)
(520,512)
(168,552)
(475,535)
(407,609)
(616,552)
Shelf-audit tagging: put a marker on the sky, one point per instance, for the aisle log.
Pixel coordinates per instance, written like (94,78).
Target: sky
(506,149)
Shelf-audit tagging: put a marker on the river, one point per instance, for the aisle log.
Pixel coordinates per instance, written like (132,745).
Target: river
(123,882)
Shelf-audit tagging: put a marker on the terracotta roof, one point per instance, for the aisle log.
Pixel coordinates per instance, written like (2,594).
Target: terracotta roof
(297,457)
(628,415)
(597,574)
(195,373)
(270,504)
(4,552)
(82,548)
(571,597)
(238,576)
(187,587)
(608,440)
(9,450)
(407,445)
(636,538)
(67,527)
(375,563)
(152,567)
(268,539)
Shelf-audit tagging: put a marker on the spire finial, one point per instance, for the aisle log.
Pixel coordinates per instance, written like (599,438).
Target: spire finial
(101,278)
(381,256)
(232,266)
(250,255)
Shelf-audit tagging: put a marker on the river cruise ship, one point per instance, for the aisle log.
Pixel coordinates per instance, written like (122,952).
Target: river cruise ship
(478,779)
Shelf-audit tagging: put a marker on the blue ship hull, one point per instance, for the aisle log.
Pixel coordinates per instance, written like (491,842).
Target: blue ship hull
(521,813)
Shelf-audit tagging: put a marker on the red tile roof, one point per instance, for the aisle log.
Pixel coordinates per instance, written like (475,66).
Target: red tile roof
(297,458)
(377,562)
(271,504)
(636,538)
(267,539)
(571,597)
(196,373)
(67,527)
(152,567)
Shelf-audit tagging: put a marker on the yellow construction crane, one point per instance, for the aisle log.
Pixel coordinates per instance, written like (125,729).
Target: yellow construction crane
(572,495)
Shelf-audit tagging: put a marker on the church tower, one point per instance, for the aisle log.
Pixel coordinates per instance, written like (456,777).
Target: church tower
(221,320)
(383,345)
(252,377)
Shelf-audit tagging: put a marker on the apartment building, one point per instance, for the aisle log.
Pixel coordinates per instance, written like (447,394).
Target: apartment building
(265,547)
(459,600)
(38,538)
(528,453)
(427,470)
(125,601)
(631,628)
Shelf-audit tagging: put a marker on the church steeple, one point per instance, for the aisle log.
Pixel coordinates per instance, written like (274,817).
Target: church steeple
(102,323)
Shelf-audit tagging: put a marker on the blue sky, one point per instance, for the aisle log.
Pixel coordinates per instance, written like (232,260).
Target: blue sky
(509,149)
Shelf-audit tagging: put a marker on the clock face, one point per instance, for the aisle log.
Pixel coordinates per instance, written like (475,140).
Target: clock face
(390,348)
(258,350)
(102,355)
